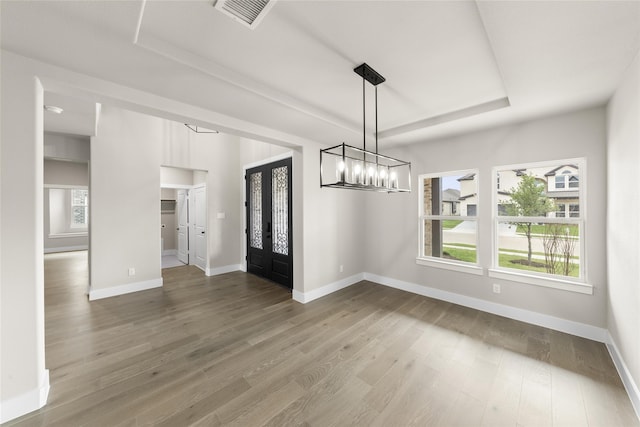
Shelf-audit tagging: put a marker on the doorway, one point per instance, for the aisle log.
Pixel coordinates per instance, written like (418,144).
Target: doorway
(189,223)
(184,225)
(269,222)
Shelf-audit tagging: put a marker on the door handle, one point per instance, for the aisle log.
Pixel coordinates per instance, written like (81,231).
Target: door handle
(202,232)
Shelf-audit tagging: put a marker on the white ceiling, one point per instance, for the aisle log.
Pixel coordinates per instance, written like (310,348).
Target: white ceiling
(78,117)
(450,66)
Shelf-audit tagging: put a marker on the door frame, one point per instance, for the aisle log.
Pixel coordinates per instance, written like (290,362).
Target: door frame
(190,212)
(285,155)
(177,215)
(192,232)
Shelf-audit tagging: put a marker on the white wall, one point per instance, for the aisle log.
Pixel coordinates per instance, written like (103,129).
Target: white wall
(392,222)
(334,232)
(66,147)
(216,161)
(24,380)
(175,176)
(623,224)
(62,174)
(124,214)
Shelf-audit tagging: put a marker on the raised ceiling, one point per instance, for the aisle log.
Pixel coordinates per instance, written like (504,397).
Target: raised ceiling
(450,66)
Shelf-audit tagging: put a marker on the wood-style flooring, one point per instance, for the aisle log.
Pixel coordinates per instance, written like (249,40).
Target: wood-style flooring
(237,350)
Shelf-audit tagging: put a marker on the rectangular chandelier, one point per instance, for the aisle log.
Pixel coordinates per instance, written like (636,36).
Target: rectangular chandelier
(344,166)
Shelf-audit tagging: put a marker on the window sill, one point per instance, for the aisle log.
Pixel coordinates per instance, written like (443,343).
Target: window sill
(547,282)
(449,265)
(66,235)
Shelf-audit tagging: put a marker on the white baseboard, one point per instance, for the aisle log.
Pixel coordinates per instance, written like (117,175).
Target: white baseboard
(532,317)
(629,384)
(66,249)
(33,400)
(305,297)
(169,252)
(113,291)
(222,270)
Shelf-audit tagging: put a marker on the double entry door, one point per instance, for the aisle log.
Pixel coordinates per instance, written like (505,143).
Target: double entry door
(269,222)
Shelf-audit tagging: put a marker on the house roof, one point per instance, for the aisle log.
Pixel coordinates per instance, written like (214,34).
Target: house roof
(468,196)
(451,195)
(467,177)
(553,171)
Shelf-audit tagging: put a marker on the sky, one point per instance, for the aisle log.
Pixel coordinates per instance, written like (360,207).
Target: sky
(451,182)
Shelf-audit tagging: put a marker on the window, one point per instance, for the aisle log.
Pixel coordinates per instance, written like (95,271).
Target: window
(574,211)
(573,181)
(540,232)
(567,179)
(448,223)
(79,208)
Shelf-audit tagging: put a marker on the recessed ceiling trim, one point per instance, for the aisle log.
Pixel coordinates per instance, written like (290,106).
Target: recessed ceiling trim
(447,117)
(239,80)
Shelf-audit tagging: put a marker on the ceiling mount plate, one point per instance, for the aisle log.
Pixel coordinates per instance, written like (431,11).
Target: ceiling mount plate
(369,74)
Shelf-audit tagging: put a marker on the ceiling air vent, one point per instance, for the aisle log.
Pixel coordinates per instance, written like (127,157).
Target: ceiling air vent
(247,12)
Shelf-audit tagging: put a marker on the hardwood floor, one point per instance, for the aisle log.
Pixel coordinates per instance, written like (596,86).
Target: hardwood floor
(236,350)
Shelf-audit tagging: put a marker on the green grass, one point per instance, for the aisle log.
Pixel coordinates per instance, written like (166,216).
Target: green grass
(466,245)
(539,229)
(505,261)
(470,255)
(465,255)
(448,224)
(525,252)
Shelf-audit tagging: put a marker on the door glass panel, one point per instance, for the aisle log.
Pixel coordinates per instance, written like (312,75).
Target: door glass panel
(280,191)
(255,206)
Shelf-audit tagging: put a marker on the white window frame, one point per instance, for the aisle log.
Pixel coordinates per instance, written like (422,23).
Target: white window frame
(579,284)
(437,262)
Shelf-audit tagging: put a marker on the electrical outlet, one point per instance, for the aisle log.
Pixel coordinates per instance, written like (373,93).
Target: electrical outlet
(341,268)
(496,288)
(132,271)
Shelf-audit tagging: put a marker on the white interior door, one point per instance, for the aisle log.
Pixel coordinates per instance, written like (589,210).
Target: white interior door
(182,207)
(199,219)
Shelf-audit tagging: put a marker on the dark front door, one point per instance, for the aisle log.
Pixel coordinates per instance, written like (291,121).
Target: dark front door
(269,222)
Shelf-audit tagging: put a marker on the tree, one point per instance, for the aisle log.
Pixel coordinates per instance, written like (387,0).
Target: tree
(529,199)
(558,249)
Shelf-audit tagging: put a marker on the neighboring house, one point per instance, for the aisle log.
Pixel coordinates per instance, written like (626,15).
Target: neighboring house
(562,186)
(451,202)
(468,195)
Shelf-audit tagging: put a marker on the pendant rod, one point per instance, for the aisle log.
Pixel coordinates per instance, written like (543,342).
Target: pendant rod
(376,90)
(364,118)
